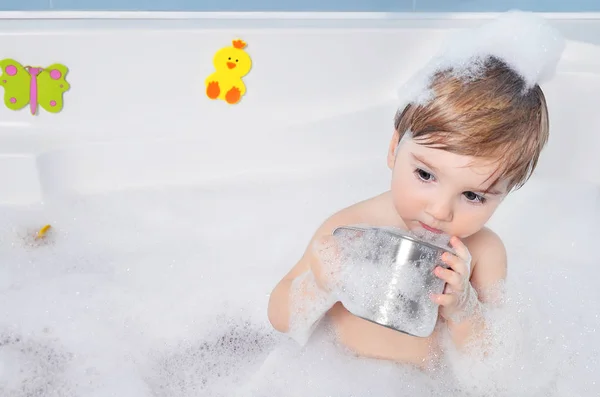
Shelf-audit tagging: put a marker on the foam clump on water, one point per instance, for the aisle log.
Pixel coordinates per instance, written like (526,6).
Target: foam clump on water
(30,367)
(526,42)
(324,368)
(114,301)
(518,354)
(224,359)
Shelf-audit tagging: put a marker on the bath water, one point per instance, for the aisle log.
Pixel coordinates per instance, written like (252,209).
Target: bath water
(164,293)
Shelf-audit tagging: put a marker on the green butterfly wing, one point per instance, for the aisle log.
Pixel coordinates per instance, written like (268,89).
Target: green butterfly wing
(52,84)
(16,82)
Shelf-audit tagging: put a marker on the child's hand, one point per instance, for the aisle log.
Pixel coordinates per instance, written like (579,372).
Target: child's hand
(459,298)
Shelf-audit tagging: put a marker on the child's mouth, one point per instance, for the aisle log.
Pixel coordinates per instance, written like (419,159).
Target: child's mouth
(431,229)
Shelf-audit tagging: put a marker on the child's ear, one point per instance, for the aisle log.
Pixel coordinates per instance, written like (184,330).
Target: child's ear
(391,158)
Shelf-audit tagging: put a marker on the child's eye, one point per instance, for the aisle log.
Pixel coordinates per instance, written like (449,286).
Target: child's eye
(474,197)
(424,175)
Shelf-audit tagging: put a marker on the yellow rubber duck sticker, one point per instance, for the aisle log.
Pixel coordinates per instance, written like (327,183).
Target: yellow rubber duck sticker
(231,64)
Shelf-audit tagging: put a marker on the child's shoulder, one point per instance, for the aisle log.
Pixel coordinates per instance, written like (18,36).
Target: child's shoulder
(375,211)
(488,258)
(485,243)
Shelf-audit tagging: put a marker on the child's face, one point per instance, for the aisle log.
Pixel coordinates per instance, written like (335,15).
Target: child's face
(441,191)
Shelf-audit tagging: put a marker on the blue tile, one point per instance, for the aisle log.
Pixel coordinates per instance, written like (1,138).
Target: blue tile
(24,5)
(504,5)
(235,5)
(306,5)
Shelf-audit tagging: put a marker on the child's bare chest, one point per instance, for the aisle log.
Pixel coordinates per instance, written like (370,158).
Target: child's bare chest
(372,340)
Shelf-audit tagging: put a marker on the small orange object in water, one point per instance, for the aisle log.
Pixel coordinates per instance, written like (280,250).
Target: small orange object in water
(42,232)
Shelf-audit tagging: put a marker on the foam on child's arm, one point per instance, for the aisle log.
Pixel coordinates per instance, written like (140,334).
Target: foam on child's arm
(308,305)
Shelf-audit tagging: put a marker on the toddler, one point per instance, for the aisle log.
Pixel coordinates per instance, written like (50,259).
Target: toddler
(471,132)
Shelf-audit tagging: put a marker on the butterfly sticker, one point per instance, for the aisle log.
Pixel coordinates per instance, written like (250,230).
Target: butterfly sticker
(33,85)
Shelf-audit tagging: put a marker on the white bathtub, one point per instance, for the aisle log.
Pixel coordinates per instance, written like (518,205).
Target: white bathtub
(162,199)
(127,122)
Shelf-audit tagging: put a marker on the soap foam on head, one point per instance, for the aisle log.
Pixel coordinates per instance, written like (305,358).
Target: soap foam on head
(526,42)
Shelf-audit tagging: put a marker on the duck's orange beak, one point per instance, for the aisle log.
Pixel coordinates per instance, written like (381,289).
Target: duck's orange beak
(231,65)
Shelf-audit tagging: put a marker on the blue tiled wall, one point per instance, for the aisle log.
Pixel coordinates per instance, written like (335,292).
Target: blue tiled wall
(305,5)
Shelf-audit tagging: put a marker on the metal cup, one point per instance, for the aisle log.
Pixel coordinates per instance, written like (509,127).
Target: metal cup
(401,299)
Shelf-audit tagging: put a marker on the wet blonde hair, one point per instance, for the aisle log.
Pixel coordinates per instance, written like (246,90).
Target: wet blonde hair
(492,116)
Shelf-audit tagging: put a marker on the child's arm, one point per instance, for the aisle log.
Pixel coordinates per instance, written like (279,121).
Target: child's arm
(489,270)
(302,297)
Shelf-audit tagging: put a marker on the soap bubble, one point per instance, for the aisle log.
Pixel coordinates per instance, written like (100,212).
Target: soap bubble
(523,40)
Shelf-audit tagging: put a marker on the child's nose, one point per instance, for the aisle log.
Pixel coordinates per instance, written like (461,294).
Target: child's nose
(441,209)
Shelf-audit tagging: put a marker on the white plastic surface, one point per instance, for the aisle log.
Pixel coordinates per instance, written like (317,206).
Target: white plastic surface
(321,94)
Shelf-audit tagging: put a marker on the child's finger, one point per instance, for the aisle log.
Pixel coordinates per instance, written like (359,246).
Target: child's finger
(455,263)
(443,299)
(460,248)
(449,276)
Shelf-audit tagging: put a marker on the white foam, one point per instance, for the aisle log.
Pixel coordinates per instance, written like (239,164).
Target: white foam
(367,276)
(521,354)
(525,41)
(120,302)
(308,305)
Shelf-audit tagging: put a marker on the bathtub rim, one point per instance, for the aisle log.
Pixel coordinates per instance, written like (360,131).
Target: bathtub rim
(19,22)
(310,15)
